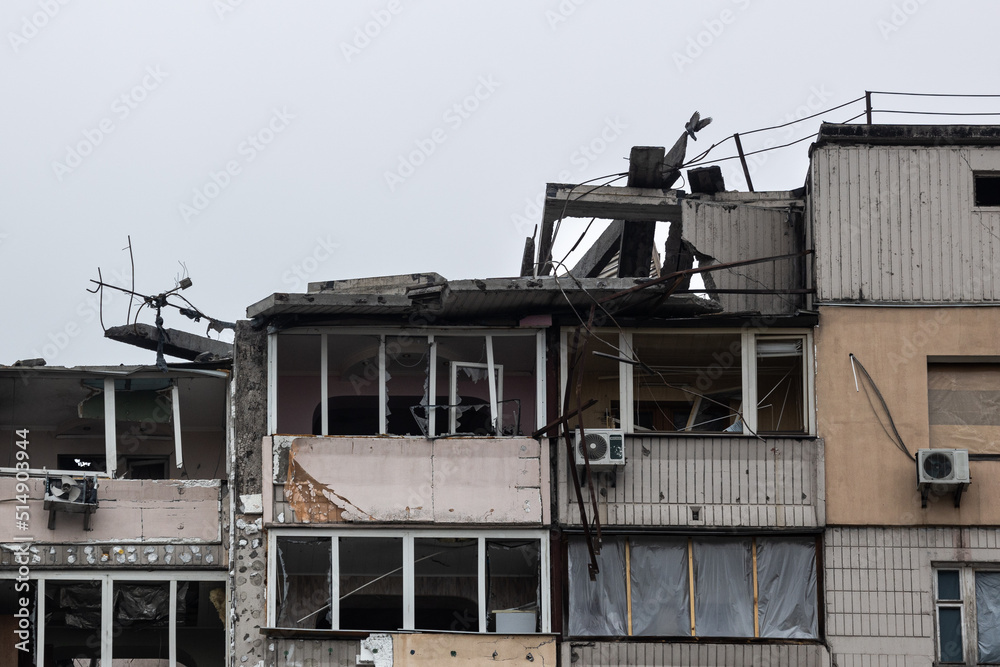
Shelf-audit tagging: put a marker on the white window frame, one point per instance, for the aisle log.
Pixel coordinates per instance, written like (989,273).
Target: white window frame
(408,537)
(429,335)
(967,605)
(748,346)
(107,580)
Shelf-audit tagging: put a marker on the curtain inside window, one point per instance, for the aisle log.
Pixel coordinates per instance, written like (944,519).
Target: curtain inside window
(786,588)
(597,608)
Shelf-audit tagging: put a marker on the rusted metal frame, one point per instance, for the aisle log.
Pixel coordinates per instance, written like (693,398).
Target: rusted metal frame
(562,420)
(575,475)
(701,269)
(581,364)
(803,290)
(743,161)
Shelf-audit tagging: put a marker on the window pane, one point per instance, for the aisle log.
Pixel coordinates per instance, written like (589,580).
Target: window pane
(406,359)
(962,405)
(72,622)
(600,381)
(512,586)
(201,633)
(786,584)
(948,586)
(352,385)
(371,583)
(298,383)
(780,378)
(446,584)
(303,582)
(11,611)
(950,626)
(597,608)
(988,616)
(142,621)
(516,354)
(460,355)
(688,382)
(723,588)
(660,589)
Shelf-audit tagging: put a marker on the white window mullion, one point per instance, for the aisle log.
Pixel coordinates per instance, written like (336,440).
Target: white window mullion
(110,428)
(541,418)
(481,578)
(626,383)
(749,374)
(491,381)
(383,426)
(544,593)
(175,405)
(408,584)
(335,583)
(809,384)
(172,633)
(324,384)
(272,383)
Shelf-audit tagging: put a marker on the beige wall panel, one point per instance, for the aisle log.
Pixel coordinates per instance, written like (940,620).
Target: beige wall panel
(869,480)
(128,510)
(474,481)
(414,650)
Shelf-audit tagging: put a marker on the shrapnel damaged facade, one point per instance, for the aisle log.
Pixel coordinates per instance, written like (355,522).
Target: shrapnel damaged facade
(771,441)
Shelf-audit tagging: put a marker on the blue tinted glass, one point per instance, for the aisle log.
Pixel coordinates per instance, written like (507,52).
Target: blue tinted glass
(948,588)
(950,623)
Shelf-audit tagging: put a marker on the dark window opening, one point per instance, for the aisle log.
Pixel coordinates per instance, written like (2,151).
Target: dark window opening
(987,189)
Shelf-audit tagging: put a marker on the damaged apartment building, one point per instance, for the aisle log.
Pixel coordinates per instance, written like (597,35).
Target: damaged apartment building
(115,512)
(771,440)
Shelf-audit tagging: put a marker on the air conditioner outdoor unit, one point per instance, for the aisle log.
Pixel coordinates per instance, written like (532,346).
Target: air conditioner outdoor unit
(66,493)
(942,470)
(604,448)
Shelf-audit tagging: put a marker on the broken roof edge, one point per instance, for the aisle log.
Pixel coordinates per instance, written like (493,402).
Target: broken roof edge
(476,297)
(173,370)
(907,135)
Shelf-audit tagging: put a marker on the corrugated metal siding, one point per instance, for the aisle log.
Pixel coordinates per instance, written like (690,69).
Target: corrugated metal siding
(731,232)
(686,655)
(899,224)
(743,482)
(312,653)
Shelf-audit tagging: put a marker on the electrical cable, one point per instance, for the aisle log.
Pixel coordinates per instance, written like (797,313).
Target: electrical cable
(799,120)
(883,92)
(896,438)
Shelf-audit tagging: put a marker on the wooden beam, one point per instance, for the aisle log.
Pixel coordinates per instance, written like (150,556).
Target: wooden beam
(645,171)
(608,202)
(600,253)
(528,258)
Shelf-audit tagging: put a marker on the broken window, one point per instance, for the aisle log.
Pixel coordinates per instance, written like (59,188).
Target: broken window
(446,583)
(963,401)
(390,580)
(371,583)
(697,382)
(688,383)
(73,428)
(407,384)
(18,613)
(303,596)
(645,583)
(513,581)
(987,185)
(149,619)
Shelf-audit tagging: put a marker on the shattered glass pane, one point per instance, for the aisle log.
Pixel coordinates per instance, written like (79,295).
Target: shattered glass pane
(407,359)
(303,582)
(780,385)
(72,617)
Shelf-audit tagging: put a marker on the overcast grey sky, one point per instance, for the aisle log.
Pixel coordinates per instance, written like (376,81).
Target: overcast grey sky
(268,144)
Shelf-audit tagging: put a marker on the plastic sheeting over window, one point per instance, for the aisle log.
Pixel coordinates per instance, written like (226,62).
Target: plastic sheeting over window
(786,583)
(597,608)
(723,584)
(988,616)
(653,598)
(963,402)
(658,575)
